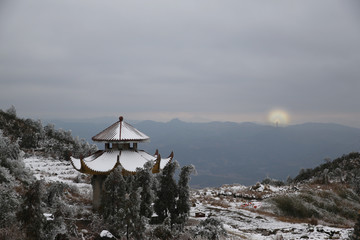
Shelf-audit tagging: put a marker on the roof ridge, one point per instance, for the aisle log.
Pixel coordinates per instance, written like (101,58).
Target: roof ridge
(121,131)
(120,120)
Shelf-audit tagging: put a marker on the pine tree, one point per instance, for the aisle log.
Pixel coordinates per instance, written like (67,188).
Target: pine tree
(54,200)
(183,202)
(165,204)
(129,183)
(55,192)
(9,203)
(31,214)
(112,201)
(144,180)
(132,220)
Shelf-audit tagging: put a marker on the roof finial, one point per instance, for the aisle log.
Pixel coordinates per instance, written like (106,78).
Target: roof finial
(121,118)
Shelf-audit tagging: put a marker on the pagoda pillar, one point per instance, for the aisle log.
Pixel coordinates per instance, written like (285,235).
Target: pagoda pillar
(97,183)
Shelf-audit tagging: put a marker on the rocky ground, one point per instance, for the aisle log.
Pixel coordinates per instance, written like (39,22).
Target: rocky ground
(251,218)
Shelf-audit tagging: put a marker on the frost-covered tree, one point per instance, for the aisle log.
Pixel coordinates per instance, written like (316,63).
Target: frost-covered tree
(144,181)
(49,129)
(165,204)
(163,231)
(8,149)
(113,200)
(30,134)
(5,176)
(183,203)
(356,184)
(130,183)
(10,163)
(55,226)
(31,213)
(114,193)
(9,203)
(17,170)
(325,176)
(120,206)
(210,228)
(55,192)
(11,111)
(29,139)
(133,222)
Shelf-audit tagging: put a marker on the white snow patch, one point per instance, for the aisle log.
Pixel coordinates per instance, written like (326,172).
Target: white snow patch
(49,216)
(106,233)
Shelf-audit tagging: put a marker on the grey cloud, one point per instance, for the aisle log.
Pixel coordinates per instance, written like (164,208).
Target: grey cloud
(188,56)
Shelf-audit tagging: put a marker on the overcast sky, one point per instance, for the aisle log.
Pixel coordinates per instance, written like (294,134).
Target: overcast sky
(197,60)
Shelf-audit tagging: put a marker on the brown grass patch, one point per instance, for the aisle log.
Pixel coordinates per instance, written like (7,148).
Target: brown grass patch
(219,203)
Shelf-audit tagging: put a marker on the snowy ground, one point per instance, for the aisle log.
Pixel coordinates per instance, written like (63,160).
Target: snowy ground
(52,170)
(242,219)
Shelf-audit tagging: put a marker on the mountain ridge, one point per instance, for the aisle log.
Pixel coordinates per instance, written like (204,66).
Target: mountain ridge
(230,152)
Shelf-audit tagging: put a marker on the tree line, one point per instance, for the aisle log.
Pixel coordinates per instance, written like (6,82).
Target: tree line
(129,203)
(32,135)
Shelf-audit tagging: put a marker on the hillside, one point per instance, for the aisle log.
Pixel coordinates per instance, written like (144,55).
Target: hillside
(29,204)
(227,152)
(344,169)
(32,136)
(322,204)
(246,212)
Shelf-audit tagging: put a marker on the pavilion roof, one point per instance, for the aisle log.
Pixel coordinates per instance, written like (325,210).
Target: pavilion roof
(121,132)
(103,162)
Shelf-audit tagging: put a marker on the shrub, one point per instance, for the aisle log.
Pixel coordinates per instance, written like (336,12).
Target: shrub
(5,176)
(162,232)
(272,182)
(293,207)
(17,169)
(31,213)
(210,228)
(9,203)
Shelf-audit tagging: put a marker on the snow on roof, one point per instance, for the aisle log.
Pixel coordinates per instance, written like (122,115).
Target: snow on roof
(103,162)
(164,161)
(147,156)
(130,160)
(76,163)
(121,132)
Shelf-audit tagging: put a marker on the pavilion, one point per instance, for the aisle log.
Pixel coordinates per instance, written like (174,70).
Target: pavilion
(121,149)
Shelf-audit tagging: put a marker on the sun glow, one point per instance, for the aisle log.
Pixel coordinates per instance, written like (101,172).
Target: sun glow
(278,117)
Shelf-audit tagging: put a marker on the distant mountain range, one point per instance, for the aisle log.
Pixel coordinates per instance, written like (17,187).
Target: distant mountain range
(228,152)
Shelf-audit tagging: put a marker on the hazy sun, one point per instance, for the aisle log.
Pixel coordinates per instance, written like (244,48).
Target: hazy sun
(278,117)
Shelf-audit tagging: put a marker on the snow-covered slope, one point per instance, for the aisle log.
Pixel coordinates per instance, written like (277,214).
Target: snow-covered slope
(52,170)
(250,219)
(243,210)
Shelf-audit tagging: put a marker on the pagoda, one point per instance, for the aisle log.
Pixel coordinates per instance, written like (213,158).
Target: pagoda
(121,149)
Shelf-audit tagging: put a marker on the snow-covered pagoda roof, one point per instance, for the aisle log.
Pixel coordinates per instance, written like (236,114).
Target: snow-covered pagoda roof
(103,162)
(121,140)
(121,131)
